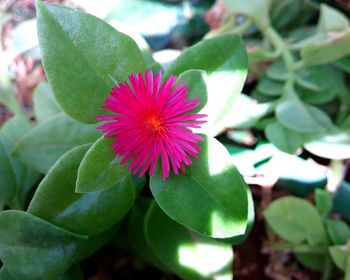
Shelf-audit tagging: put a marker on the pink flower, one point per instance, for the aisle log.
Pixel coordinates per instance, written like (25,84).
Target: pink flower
(151,120)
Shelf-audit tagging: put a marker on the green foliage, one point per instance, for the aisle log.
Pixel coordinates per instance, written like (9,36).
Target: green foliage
(315,238)
(88,213)
(202,199)
(287,217)
(32,248)
(188,254)
(8,185)
(97,49)
(310,97)
(45,105)
(85,195)
(226,70)
(45,143)
(100,168)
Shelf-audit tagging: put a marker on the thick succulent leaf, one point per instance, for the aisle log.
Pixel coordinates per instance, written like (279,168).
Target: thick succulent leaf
(88,213)
(210,198)
(79,53)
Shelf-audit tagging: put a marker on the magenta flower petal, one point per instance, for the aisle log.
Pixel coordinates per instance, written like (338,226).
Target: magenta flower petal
(151,122)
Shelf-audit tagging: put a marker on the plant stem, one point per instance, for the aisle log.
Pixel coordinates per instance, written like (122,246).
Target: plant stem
(277,41)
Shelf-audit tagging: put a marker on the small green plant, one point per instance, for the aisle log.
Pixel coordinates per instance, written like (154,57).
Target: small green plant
(317,240)
(303,97)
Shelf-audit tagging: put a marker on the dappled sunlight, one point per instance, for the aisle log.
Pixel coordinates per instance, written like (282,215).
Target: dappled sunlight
(207,259)
(221,87)
(219,221)
(216,164)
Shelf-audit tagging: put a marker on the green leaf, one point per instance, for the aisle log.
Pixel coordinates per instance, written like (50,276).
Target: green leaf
(320,84)
(210,198)
(251,217)
(31,248)
(24,37)
(45,105)
(339,231)
(331,20)
(186,253)
(195,81)
(331,47)
(296,115)
(343,64)
(334,145)
(56,201)
(324,202)
(137,235)
(312,261)
(8,185)
(278,71)
(257,9)
(100,168)
(224,60)
(340,255)
(79,52)
(5,275)
(283,138)
(45,143)
(26,177)
(287,217)
(269,87)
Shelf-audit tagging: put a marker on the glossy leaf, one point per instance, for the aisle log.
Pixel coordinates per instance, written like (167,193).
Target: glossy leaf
(343,64)
(296,115)
(283,138)
(251,217)
(79,52)
(5,275)
(137,236)
(339,231)
(45,105)
(341,256)
(312,261)
(56,201)
(45,143)
(195,81)
(188,254)
(10,133)
(324,202)
(331,19)
(26,256)
(270,87)
(26,177)
(8,184)
(328,49)
(287,217)
(100,168)
(334,145)
(320,84)
(277,71)
(226,70)
(210,198)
